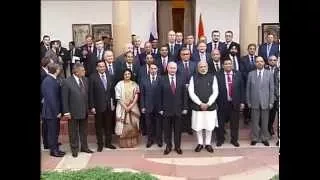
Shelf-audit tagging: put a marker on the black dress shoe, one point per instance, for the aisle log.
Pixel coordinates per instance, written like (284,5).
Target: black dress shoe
(167,150)
(110,146)
(219,143)
(61,152)
(178,150)
(74,154)
(100,148)
(235,143)
(253,143)
(198,148)
(190,132)
(45,147)
(277,144)
(266,143)
(209,148)
(56,154)
(59,144)
(159,144)
(149,144)
(86,151)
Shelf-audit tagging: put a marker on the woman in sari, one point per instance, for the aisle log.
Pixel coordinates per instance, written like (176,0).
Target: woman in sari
(127,110)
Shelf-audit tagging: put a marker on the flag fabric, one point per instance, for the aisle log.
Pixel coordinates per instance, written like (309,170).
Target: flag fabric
(153,27)
(200,27)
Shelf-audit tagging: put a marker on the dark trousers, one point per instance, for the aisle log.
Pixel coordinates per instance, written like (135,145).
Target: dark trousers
(44,132)
(154,126)
(227,113)
(176,122)
(246,113)
(76,127)
(272,115)
(103,125)
(186,120)
(53,133)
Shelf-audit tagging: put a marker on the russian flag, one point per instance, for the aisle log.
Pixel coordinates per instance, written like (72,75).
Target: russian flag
(153,27)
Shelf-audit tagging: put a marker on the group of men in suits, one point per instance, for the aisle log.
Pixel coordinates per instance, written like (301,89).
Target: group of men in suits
(163,74)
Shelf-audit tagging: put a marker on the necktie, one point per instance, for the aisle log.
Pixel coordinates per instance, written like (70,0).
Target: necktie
(90,51)
(82,90)
(259,75)
(173,86)
(152,80)
(99,54)
(104,80)
(235,67)
(252,60)
(268,49)
(171,49)
(71,53)
(217,67)
(215,46)
(190,47)
(110,69)
(164,63)
(130,66)
(186,68)
(229,84)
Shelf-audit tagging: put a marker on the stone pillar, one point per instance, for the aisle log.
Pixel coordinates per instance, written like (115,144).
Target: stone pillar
(248,24)
(121,25)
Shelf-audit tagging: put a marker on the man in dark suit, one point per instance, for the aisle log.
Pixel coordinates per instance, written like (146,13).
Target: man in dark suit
(186,69)
(179,44)
(63,53)
(74,54)
(173,103)
(232,55)
(149,104)
(201,53)
(215,63)
(44,46)
(130,64)
(275,70)
(120,60)
(260,98)
(172,46)
(163,60)
(51,111)
(229,43)
(216,43)
(43,74)
(136,46)
(144,71)
(155,47)
(147,50)
(101,103)
(268,49)
(96,56)
(248,64)
(231,99)
(190,44)
(87,52)
(75,108)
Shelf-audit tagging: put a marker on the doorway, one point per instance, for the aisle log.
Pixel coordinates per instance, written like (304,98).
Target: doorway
(177,15)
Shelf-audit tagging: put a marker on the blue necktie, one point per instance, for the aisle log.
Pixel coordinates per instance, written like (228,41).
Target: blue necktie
(104,80)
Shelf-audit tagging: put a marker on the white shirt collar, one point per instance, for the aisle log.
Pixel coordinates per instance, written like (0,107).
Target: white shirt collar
(103,74)
(77,79)
(231,73)
(155,76)
(52,75)
(45,69)
(171,44)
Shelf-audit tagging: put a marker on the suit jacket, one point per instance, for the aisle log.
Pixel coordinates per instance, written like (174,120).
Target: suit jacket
(263,94)
(196,56)
(51,98)
(142,58)
(86,47)
(162,70)
(74,102)
(43,51)
(64,54)
(212,67)
(220,48)
(227,56)
(274,50)
(173,104)
(99,97)
(135,67)
(238,91)
(276,81)
(194,48)
(175,56)
(75,51)
(182,72)
(92,60)
(247,66)
(150,94)
(226,49)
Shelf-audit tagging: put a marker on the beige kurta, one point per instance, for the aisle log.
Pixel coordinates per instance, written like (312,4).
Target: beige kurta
(207,120)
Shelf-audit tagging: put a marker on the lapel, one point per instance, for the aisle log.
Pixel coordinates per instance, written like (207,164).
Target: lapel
(101,82)
(75,83)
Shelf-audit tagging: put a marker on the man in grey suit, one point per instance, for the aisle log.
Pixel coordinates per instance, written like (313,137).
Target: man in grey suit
(75,108)
(260,98)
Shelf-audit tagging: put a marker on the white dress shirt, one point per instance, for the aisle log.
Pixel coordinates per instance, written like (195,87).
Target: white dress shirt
(262,70)
(174,80)
(203,56)
(155,77)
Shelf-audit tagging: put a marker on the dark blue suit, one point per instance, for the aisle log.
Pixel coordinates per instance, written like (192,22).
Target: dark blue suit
(175,55)
(51,108)
(221,48)
(150,100)
(158,62)
(229,110)
(274,50)
(142,58)
(196,56)
(43,75)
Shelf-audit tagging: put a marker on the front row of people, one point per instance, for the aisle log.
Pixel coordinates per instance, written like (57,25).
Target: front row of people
(215,99)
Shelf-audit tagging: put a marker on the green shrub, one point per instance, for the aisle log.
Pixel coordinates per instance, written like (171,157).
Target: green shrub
(275,177)
(97,173)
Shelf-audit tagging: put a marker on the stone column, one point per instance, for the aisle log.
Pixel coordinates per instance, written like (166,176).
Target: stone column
(121,25)
(248,24)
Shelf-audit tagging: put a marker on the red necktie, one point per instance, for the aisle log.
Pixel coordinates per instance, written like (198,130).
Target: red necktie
(164,65)
(186,68)
(229,84)
(173,86)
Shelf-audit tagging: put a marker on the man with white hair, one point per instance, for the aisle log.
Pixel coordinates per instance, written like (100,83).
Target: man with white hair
(173,103)
(203,91)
